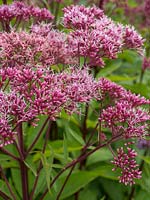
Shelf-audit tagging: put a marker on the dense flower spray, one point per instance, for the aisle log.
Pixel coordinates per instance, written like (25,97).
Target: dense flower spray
(21,11)
(95,36)
(41,75)
(129,168)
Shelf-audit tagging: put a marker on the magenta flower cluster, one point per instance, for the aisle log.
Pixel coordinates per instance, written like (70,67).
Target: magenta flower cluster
(95,36)
(22,11)
(32,49)
(125,160)
(41,92)
(124,117)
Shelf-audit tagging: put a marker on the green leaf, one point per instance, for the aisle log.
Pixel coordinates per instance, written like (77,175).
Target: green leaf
(90,191)
(105,170)
(41,184)
(29,163)
(91,123)
(100,155)
(58,156)
(75,136)
(17,180)
(144,182)
(145,158)
(103,198)
(70,118)
(9,164)
(142,195)
(113,189)
(31,179)
(4,157)
(31,132)
(14,190)
(139,88)
(107,70)
(47,165)
(117,78)
(76,181)
(3,188)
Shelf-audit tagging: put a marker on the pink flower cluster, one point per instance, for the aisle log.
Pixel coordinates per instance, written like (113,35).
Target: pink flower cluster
(41,29)
(100,38)
(80,17)
(19,49)
(125,160)
(35,92)
(95,36)
(132,39)
(110,89)
(123,117)
(13,109)
(23,12)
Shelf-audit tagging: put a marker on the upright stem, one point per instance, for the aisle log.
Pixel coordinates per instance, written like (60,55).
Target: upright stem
(23,167)
(65,182)
(7,183)
(141,76)
(37,137)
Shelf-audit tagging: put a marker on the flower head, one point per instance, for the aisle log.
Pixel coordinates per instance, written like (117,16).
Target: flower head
(133,40)
(95,36)
(125,160)
(80,17)
(125,120)
(110,89)
(21,11)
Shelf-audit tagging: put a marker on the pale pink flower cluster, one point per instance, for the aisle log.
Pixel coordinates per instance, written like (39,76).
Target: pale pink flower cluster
(41,29)
(115,92)
(123,117)
(133,40)
(19,49)
(35,92)
(95,36)
(124,120)
(80,17)
(110,89)
(125,160)
(23,12)
(13,109)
